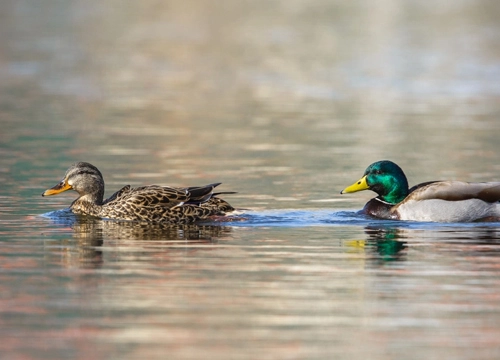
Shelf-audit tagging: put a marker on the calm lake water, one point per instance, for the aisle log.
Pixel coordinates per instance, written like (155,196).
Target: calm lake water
(285,102)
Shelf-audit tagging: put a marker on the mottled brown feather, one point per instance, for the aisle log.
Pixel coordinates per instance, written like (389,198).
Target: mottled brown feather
(151,203)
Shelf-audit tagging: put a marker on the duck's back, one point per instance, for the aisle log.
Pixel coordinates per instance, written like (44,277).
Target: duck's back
(143,203)
(151,195)
(451,201)
(456,191)
(155,203)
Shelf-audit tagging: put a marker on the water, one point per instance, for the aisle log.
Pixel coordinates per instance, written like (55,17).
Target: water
(285,102)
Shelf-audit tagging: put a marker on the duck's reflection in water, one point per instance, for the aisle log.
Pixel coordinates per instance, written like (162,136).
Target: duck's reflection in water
(385,243)
(93,230)
(90,235)
(389,243)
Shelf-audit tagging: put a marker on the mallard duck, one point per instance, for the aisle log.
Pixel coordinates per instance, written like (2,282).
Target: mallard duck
(438,201)
(151,203)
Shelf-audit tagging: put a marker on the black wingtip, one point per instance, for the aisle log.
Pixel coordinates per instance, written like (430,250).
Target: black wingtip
(224,192)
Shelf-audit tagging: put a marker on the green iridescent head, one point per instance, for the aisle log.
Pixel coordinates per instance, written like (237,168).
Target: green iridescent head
(386,179)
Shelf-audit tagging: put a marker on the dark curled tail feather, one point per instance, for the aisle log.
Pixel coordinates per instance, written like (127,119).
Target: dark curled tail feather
(200,191)
(201,194)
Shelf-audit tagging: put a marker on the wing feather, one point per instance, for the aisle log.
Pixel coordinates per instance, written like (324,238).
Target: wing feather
(456,191)
(150,196)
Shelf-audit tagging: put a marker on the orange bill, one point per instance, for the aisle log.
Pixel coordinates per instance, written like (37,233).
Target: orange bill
(59,188)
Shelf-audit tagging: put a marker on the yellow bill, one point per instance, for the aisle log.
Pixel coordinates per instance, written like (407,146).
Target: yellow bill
(360,185)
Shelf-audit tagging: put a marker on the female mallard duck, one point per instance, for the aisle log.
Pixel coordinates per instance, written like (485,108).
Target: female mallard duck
(439,201)
(151,203)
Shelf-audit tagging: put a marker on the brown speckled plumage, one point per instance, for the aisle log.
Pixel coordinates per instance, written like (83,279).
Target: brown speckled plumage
(146,203)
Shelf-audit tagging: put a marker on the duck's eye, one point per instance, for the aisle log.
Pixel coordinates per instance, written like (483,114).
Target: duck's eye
(377,172)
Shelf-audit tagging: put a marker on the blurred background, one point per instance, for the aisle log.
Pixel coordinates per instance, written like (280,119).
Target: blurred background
(289,100)
(285,102)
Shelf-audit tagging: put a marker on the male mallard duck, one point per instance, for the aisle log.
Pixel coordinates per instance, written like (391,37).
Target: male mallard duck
(151,203)
(439,201)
